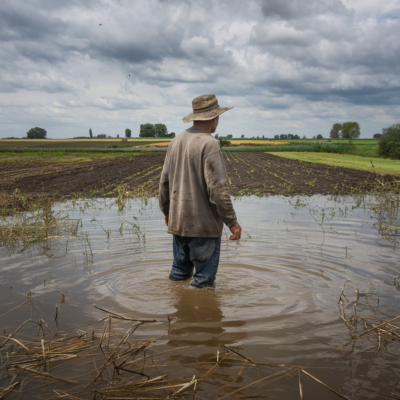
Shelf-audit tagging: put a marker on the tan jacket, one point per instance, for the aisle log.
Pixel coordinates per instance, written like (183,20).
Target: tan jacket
(193,186)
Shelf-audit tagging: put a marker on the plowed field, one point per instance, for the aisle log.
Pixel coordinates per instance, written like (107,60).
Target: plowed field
(248,173)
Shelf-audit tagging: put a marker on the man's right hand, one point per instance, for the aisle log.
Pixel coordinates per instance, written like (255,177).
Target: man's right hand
(236,231)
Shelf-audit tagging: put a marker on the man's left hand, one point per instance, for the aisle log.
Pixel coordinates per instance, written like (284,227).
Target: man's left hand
(166,219)
(236,231)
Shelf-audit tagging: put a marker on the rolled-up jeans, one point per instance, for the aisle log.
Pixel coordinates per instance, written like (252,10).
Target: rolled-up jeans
(197,257)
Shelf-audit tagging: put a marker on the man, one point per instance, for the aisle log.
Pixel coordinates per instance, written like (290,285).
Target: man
(194,196)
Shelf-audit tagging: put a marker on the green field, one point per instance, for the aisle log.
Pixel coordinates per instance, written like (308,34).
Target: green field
(57,156)
(363,141)
(78,143)
(378,165)
(361,147)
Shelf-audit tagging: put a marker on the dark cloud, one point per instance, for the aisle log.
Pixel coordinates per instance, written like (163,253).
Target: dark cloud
(299,9)
(262,54)
(23,21)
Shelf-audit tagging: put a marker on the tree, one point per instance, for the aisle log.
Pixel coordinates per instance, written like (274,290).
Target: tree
(276,137)
(160,130)
(283,136)
(229,136)
(319,136)
(172,135)
(216,136)
(147,130)
(242,136)
(90,132)
(389,143)
(304,137)
(336,131)
(377,135)
(36,133)
(128,132)
(296,137)
(350,130)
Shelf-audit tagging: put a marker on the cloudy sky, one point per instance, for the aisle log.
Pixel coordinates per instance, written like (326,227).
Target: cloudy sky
(292,66)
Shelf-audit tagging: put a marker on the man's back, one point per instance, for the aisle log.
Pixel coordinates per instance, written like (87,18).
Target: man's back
(193,186)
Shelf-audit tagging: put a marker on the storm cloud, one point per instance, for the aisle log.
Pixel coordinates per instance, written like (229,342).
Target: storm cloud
(285,66)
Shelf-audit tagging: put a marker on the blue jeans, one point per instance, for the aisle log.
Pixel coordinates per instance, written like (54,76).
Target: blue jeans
(200,254)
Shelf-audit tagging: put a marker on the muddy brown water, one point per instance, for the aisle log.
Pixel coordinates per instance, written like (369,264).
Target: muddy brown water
(275,298)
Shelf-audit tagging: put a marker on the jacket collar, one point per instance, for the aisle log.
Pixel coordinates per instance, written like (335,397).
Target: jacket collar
(197,130)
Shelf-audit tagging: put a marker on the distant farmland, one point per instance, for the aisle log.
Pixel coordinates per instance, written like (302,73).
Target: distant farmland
(79,143)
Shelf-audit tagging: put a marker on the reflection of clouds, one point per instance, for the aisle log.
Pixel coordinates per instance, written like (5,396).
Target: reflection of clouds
(198,318)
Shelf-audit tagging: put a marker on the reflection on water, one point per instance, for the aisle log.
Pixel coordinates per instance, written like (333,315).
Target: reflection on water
(198,317)
(276,292)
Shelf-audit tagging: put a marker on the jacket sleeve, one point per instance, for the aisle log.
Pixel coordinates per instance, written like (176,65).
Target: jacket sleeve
(217,186)
(163,196)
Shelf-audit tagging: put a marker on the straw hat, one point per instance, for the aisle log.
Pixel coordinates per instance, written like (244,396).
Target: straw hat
(205,107)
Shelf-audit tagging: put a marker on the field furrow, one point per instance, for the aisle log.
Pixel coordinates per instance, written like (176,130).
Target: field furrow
(247,173)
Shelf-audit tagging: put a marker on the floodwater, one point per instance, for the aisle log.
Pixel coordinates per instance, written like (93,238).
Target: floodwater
(275,298)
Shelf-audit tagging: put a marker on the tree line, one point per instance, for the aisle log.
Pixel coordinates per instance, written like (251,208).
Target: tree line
(288,136)
(347,130)
(156,130)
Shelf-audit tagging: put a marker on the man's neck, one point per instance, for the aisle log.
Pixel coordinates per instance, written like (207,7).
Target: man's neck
(199,126)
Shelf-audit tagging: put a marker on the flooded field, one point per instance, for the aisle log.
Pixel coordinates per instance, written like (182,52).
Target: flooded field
(276,301)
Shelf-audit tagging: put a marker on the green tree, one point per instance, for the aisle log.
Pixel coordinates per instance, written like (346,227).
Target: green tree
(128,132)
(90,132)
(216,136)
(36,133)
(160,130)
(350,130)
(147,130)
(389,143)
(242,136)
(172,135)
(336,131)
(319,136)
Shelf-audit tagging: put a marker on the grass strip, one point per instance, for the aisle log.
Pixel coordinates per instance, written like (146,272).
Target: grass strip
(79,150)
(368,151)
(378,165)
(312,147)
(66,157)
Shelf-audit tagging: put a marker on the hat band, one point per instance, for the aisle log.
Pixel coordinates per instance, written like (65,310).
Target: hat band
(202,110)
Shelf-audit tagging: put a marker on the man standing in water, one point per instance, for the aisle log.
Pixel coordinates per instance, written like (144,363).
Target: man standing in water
(194,196)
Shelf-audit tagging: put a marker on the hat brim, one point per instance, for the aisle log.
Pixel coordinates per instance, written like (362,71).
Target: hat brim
(206,115)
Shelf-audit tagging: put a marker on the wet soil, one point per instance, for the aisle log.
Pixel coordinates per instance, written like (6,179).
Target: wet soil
(100,177)
(248,173)
(259,173)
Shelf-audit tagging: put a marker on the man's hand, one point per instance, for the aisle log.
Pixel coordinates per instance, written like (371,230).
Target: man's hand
(236,231)
(166,219)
